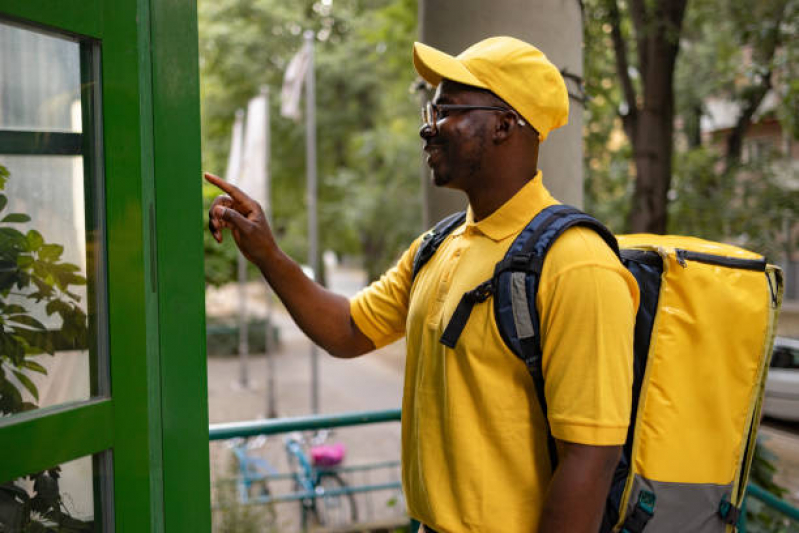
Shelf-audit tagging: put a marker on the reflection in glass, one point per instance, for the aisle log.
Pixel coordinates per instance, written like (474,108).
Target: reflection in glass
(49,244)
(43,297)
(61,498)
(39,80)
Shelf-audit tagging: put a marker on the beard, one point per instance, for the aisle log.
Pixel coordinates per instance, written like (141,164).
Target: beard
(457,168)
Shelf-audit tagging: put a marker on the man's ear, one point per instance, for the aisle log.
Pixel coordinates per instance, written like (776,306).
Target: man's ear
(506,125)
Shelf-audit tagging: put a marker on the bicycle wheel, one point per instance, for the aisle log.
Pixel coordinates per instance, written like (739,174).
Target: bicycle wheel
(334,509)
(308,513)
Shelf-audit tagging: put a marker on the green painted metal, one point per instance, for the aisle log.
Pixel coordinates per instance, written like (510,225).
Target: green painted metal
(44,438)
(296,496)
(301,423)
(126,136)
(772,501)
(80,18)
(154,288)
(180,273)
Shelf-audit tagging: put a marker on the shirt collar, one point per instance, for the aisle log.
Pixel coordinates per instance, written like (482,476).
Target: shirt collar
(514,214)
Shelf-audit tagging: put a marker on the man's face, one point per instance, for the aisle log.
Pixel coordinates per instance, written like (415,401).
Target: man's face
(456,151)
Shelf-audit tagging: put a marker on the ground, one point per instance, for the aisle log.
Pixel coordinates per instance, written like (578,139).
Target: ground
(369,383)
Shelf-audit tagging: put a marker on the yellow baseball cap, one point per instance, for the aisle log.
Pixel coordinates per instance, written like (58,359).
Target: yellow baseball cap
(514,70)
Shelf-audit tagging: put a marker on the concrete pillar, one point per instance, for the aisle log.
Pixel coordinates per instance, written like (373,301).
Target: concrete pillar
(555,27)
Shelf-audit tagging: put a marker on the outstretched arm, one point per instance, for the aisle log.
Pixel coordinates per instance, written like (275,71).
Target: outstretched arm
(323,315)
(576,496)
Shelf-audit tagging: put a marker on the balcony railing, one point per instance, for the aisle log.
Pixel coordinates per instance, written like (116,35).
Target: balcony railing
(305,423)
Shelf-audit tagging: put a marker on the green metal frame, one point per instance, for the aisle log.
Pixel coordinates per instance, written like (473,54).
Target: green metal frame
(154,422)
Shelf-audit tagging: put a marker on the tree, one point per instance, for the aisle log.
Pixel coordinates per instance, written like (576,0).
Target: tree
(648,110)
(367,120)
(734,52)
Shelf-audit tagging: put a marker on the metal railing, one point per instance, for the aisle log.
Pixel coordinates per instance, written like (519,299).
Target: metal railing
(781,506)
(304,423)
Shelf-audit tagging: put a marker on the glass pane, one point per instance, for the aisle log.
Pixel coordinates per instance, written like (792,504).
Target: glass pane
(69,494)
(50,240)
(39,81)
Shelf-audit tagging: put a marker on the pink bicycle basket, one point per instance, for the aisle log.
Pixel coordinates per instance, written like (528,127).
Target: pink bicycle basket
(328,454)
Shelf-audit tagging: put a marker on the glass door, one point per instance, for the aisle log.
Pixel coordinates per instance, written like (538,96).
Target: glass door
(103,414)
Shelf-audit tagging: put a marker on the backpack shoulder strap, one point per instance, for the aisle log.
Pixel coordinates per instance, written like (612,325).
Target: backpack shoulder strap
(517,278)
(433,239)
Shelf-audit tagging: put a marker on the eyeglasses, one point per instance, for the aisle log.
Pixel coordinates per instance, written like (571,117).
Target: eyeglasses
(432,113)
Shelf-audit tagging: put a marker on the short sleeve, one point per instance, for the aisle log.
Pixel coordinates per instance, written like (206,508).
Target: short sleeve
(381,309)
(587,303)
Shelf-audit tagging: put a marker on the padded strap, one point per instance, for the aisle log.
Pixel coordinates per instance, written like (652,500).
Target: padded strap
(433,239)
(526,265)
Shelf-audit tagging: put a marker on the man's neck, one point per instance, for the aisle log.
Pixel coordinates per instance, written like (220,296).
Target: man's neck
(495,193)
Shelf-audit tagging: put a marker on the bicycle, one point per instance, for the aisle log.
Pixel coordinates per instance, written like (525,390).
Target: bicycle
(253,471)
(331,503)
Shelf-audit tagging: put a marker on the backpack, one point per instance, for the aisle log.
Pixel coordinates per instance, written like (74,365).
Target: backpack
(703,338)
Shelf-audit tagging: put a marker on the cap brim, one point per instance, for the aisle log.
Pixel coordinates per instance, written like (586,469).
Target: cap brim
(434,65)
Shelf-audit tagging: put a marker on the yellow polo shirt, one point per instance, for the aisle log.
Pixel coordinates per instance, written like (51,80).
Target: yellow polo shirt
(474,450)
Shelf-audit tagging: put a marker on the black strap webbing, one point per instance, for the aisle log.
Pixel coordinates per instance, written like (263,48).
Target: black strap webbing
(461,315)
(434,238)
(536,372)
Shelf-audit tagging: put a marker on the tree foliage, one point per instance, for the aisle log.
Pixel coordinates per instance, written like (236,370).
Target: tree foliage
(733,53)
(366,116)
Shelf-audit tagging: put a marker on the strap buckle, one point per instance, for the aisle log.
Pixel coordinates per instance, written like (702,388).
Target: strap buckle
(642,513)
(481,293)
(729,513)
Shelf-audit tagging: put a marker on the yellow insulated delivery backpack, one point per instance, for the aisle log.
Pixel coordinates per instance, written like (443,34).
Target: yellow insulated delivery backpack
(703,339)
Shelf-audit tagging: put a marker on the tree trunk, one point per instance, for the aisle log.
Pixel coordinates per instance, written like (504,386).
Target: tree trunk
(649,121)
(653,145)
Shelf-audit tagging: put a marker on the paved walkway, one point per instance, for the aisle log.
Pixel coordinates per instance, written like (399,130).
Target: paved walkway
(371,382)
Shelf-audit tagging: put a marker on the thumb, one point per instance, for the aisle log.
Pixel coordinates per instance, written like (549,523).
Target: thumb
(232,217)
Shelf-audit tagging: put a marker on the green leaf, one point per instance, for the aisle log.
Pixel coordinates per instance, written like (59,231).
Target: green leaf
(24,261)
(26,320)
(10,398)
(16,217)
(3,201)
(33,365)
(50,252)
(12,348)
(57,306)
(35,240)
(28,384)
(13,237)
(38,341)
(12,309)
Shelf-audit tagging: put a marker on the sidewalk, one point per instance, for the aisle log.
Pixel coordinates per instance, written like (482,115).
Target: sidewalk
(372,382)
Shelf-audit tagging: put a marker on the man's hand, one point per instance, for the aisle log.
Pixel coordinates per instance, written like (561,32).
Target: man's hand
(245,219)
(321,314)
(576,497)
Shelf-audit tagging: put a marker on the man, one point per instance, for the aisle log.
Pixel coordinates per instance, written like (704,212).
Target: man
(474,447)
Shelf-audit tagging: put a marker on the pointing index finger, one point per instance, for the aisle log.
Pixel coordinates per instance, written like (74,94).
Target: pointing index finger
(237,194)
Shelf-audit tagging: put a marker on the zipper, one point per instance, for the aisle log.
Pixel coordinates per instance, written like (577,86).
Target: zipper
(711,259)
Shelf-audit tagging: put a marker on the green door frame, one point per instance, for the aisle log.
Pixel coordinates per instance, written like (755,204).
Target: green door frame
(155,421)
